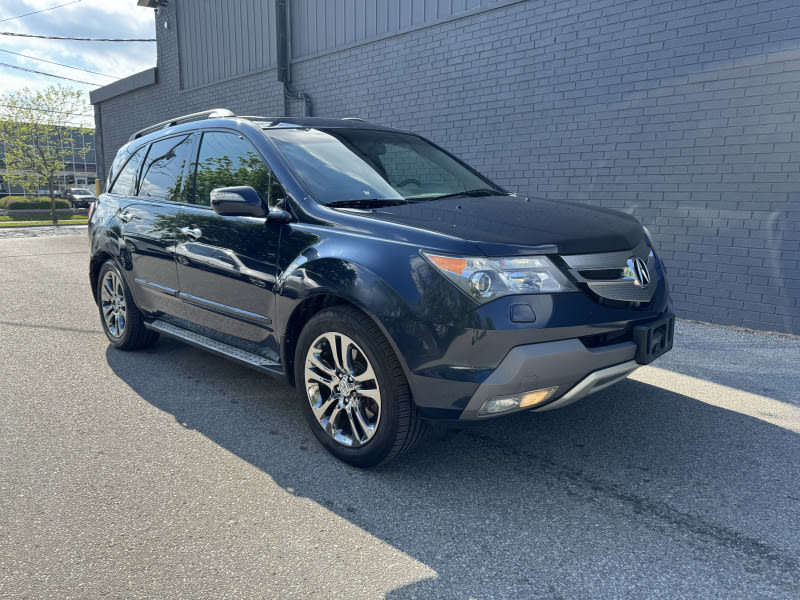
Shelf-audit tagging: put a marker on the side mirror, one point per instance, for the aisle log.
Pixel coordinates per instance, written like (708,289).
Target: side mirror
(238,201)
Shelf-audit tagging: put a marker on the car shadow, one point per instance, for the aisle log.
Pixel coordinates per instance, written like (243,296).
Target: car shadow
(532,494)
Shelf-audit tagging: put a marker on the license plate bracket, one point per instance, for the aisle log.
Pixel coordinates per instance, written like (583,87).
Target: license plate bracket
(653,339)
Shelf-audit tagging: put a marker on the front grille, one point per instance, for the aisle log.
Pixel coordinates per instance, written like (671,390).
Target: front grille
(628,276)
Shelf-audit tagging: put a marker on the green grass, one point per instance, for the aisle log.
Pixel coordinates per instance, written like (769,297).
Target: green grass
(74,220)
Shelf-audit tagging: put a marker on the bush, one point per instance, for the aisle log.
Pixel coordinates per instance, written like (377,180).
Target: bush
(30,203)
(4,202)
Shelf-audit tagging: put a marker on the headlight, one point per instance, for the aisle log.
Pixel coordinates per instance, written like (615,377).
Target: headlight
(485,279)
(648,238)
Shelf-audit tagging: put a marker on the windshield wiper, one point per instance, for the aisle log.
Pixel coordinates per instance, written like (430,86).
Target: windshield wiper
(472,194)
(366,203)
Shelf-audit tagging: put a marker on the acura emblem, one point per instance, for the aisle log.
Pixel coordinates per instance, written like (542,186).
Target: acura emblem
(637,270)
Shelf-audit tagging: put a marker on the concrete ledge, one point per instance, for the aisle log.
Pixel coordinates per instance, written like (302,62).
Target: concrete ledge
(123,86)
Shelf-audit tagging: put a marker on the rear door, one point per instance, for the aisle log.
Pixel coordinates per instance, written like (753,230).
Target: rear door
(149,220)
(227,265)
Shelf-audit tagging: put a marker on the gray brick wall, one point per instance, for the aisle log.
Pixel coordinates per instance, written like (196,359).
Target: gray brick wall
(681,112)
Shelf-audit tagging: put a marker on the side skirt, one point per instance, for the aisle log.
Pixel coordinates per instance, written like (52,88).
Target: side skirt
(254,361)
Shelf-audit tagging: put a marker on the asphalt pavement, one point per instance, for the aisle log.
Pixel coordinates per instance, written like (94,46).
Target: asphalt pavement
(171,473)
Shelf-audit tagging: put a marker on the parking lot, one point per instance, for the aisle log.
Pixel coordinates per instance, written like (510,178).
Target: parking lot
(171,473)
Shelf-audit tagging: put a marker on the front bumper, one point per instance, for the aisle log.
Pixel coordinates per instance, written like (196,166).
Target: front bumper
(571,367)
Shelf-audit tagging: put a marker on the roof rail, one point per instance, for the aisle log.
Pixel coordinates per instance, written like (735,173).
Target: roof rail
(354,119)
(214,113)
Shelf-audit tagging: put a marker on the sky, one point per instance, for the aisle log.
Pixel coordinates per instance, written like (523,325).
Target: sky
(79,18)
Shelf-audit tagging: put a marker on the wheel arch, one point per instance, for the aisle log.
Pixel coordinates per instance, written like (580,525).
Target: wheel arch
(309,307)
(95,265)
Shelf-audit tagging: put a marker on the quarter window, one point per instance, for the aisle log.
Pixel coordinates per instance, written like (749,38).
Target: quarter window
(125,183)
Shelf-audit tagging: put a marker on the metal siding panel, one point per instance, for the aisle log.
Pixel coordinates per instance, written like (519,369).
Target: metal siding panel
(393,22)
(338,24)
(184,46)
(382,16)
(404,20)
(229,65)
(370,20)
(301,27)
(321,26)
(430,11)
(234,39)
(197,56)
(261,39)
(417,12)
(251,58)
(325,27)
(220,59)
(349,19)
(190,44)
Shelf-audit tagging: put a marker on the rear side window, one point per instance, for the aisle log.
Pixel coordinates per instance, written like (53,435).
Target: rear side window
(164,168)
(227,159)
(125,183)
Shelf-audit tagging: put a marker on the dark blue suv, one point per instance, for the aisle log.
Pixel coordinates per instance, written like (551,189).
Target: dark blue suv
(389,282)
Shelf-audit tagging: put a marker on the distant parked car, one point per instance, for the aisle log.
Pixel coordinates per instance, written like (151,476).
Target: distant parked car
(78,197)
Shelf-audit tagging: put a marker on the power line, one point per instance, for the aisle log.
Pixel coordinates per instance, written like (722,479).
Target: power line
(59,64)
(2,64)
(75,39)
(36,12)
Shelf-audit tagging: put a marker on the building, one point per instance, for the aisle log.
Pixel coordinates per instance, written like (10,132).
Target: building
(682,112)
(79,171)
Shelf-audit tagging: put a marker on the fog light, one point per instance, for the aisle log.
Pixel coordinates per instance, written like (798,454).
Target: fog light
(503,404)
(537,397)
(498,405)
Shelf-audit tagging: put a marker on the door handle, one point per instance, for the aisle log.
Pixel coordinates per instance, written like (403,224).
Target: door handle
(191,232)
(125,216)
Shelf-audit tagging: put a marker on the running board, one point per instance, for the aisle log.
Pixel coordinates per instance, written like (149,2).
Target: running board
(255,361)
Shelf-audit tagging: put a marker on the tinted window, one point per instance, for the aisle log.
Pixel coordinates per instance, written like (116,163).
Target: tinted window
(162,176)
(227,159)
(126,180)
(119,160)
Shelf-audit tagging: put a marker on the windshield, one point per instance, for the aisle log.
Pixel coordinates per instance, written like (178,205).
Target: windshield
(363,167)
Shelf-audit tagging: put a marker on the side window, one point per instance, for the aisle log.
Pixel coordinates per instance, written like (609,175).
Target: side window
(163,172)
(226,159)
(125,184)
(119,161)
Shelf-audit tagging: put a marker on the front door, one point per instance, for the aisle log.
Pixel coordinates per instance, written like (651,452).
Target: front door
(227,265)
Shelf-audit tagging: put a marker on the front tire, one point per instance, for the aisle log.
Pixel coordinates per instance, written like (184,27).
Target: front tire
(352,389)
(122,320)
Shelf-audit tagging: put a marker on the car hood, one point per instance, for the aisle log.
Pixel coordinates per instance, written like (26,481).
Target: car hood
(512,225)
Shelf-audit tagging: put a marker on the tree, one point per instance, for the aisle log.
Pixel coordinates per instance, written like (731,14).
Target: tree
(37,128)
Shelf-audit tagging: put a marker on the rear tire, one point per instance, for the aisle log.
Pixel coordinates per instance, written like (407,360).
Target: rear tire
(122,320)
(352,389)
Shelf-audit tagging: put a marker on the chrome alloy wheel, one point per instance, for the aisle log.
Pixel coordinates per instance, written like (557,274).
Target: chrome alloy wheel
(342,389)
(112,303)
